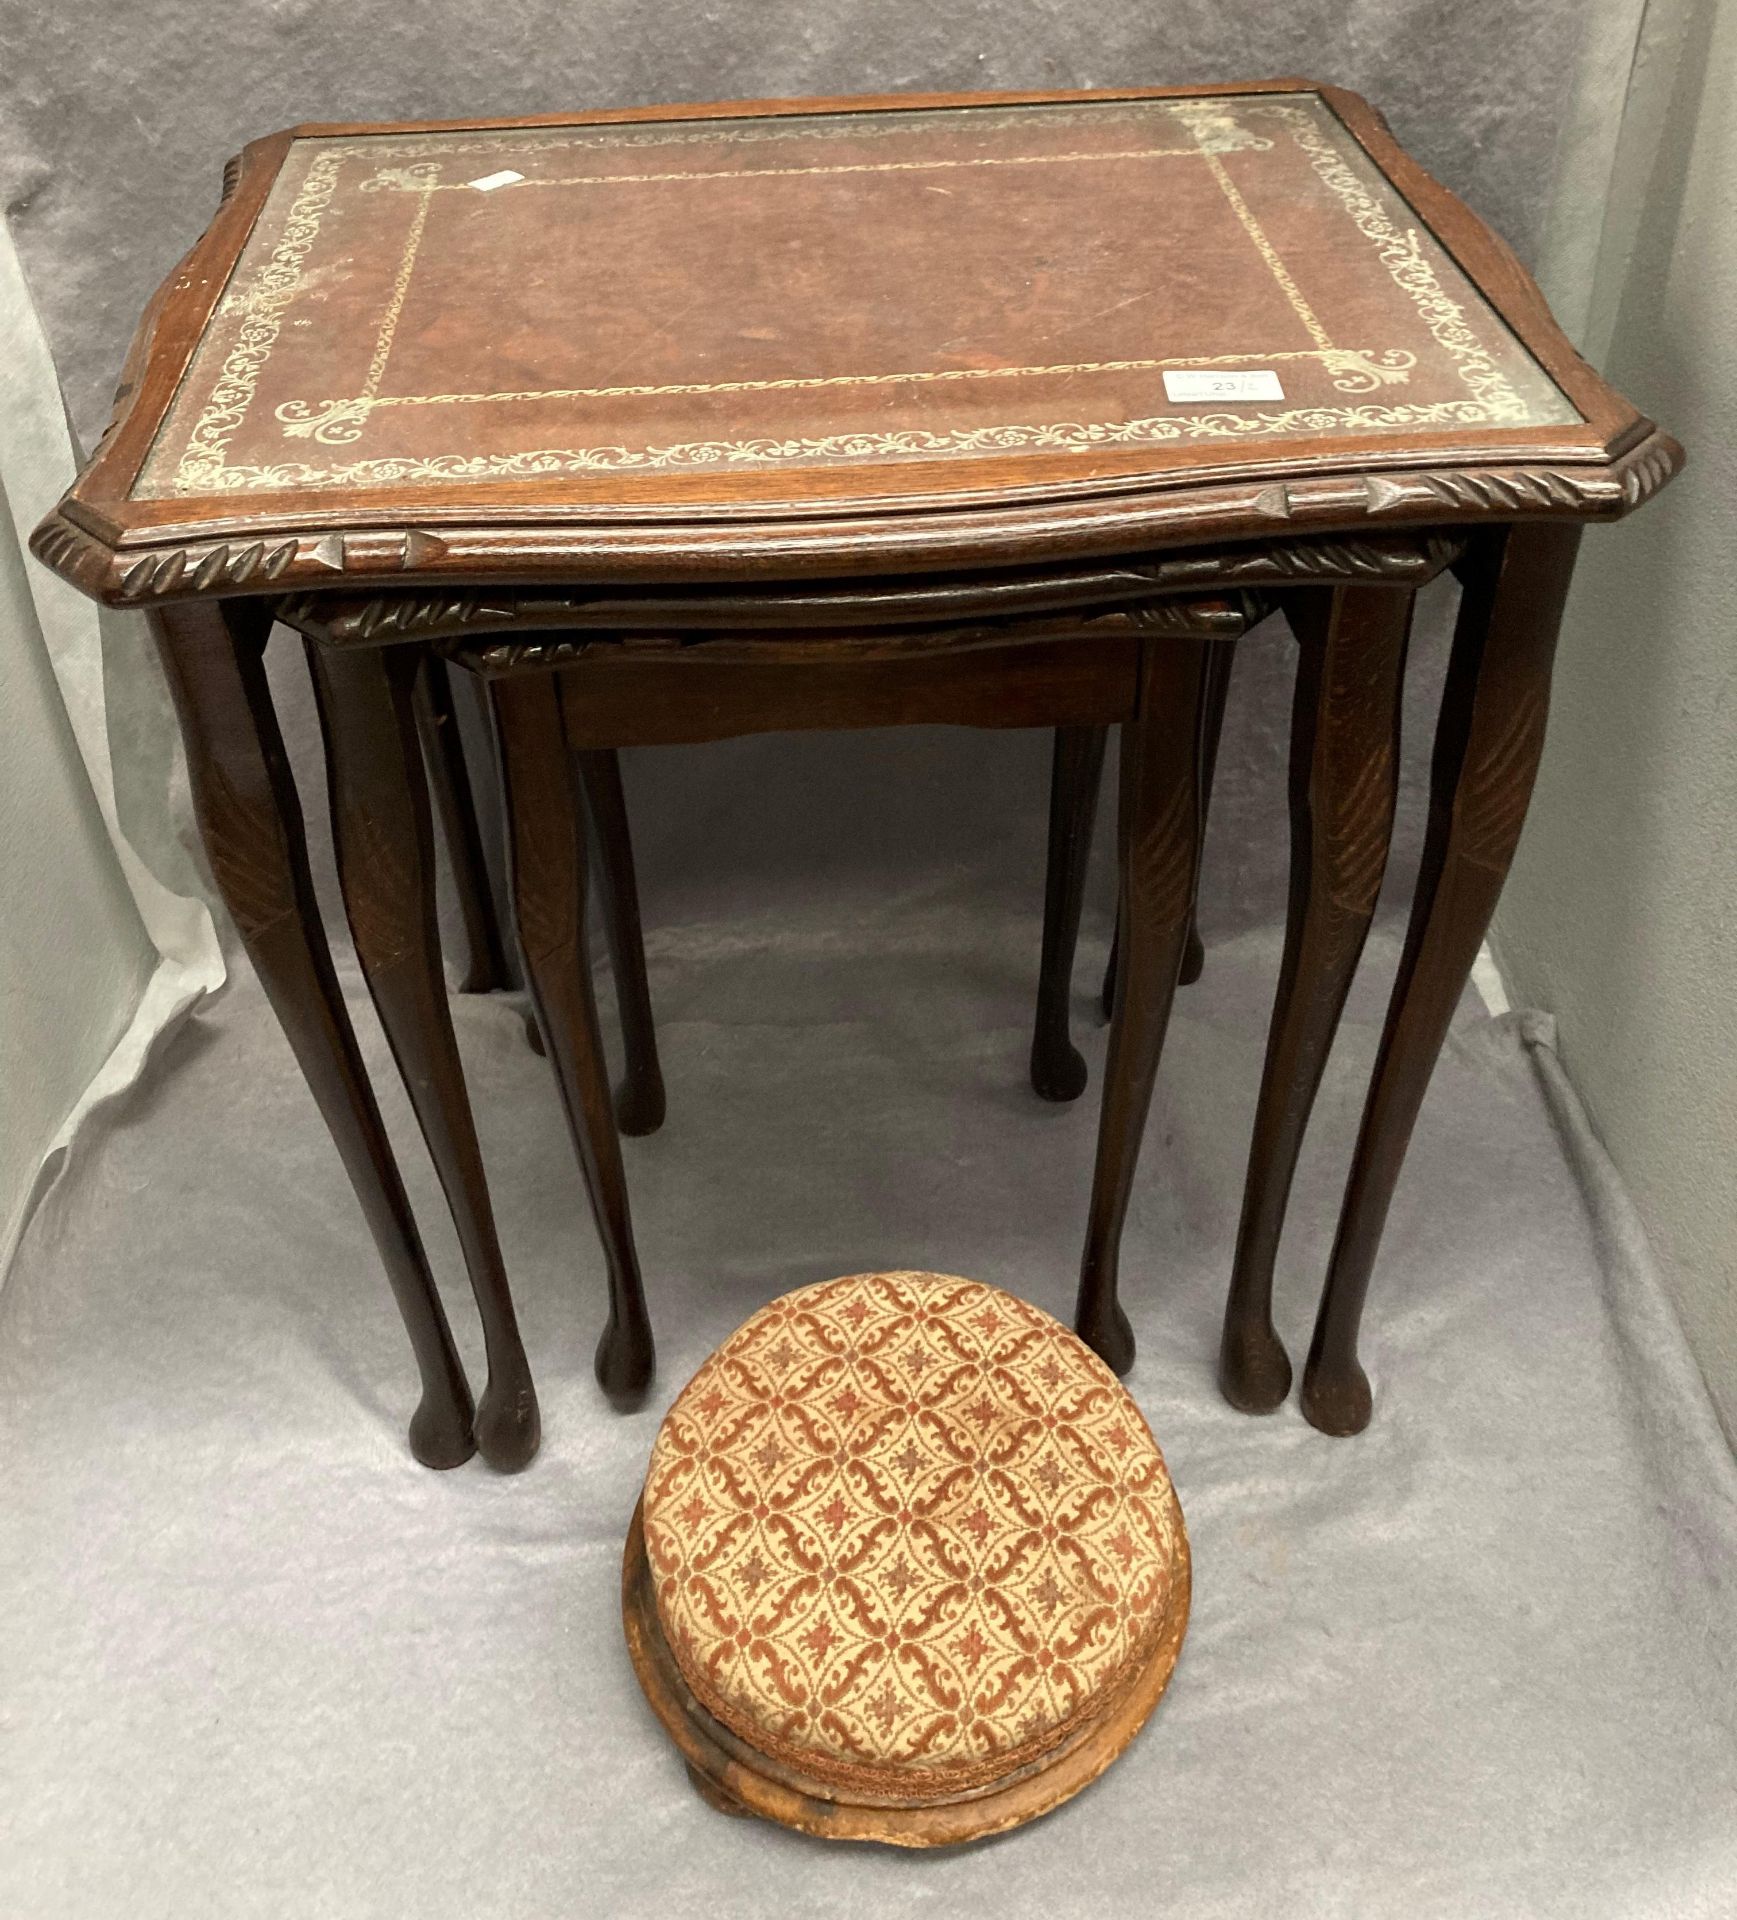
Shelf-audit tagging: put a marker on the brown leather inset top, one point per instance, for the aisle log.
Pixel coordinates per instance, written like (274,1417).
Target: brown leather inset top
(831,289)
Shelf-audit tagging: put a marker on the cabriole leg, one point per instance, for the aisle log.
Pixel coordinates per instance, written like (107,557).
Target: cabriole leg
(251,822)
(546,844)
(1487,746)
(384,837)
(1344,772)
(1158,842)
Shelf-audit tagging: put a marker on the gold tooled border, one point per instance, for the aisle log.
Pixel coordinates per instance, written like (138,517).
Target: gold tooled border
(1064,436)
(203,466)
(1402,254)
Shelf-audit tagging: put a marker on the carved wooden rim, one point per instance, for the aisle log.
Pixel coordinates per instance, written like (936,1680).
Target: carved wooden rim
(733,1775)
(1176,619)
(859,545)
(1163,587)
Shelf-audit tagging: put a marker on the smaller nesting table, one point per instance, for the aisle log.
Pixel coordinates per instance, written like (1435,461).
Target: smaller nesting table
(1007,410)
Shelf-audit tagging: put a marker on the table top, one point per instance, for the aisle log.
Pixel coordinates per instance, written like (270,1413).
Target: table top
(826,289)
(830,337)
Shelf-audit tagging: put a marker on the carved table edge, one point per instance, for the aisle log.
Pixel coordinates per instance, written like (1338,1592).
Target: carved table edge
(956,539)
(338,619)
(1206,619)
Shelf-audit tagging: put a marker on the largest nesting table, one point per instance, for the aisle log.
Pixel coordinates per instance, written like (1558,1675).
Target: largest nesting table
(1012,410)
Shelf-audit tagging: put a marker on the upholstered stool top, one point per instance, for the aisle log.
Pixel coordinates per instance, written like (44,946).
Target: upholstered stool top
(908,1536)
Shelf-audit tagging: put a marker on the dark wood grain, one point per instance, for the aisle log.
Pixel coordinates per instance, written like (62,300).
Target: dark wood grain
(821,607)
(141,567)
(639,1100)
(1219,663)
(1343,780)
(245,799)
(1158,846)
(384,837)
(1058,1068)
(676,695)
(1218,669)
(1488,742)
(485,959)
(546,842)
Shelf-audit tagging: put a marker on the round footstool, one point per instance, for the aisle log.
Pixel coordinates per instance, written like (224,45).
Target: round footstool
(907,1567)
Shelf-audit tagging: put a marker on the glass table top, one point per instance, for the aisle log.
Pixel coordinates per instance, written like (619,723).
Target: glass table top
(847,288)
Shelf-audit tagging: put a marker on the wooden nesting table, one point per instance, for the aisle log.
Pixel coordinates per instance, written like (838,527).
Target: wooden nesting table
(693,421)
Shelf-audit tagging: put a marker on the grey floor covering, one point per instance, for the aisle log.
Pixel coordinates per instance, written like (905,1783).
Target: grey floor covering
(253,1661)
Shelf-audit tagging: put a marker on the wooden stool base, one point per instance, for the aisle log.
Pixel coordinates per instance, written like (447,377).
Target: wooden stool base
(731,1776)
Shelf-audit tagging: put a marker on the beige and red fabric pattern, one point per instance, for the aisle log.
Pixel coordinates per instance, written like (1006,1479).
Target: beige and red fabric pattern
(908,1534)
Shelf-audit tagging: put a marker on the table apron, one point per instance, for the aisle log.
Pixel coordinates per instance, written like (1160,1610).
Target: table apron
(620,697)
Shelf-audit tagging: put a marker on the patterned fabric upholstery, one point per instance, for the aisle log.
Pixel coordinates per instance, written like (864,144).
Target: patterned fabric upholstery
(908,1534)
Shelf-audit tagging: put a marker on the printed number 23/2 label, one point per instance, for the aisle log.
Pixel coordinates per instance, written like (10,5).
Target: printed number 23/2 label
(1213,384)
